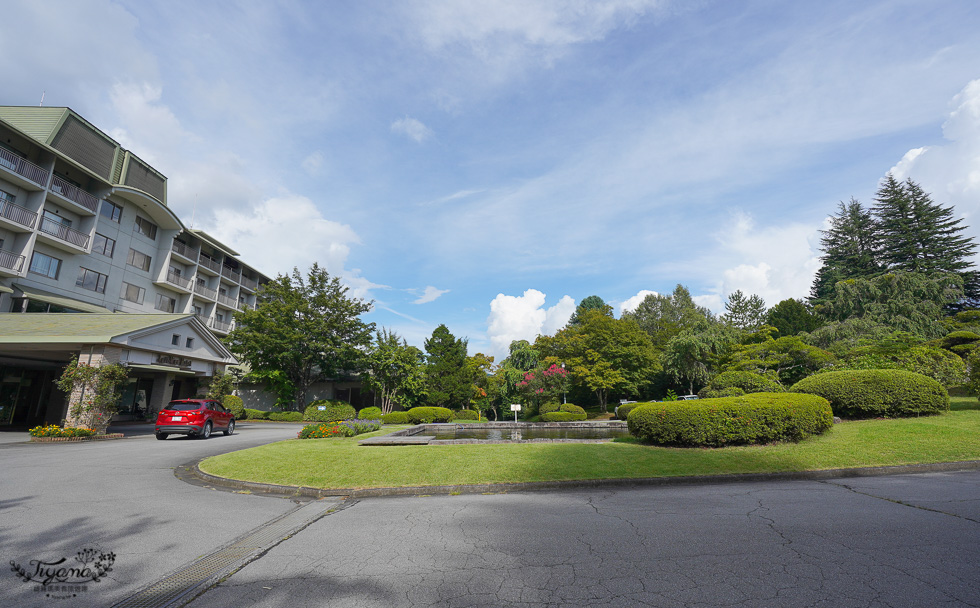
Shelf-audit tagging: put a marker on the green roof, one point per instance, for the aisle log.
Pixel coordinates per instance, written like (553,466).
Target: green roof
(50,298)
(87,328)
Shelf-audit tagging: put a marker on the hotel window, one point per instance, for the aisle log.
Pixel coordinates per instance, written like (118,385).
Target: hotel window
(146,228)
(6,196)
(103,244)
(165,304)
(189,343)
(91,280)
(139,260)
(111,211)
(52,223)
(133,293)
(45,265)
(175,339)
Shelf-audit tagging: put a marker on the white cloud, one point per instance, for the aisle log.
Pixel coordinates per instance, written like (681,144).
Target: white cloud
(631,303)
(412,128)
(430,294)
(524,318)
(312,163)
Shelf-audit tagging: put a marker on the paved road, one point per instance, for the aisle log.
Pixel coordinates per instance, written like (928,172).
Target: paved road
(119,496)
(909,540)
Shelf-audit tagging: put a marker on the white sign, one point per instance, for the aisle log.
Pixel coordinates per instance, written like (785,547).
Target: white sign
(321,407)
(515,407)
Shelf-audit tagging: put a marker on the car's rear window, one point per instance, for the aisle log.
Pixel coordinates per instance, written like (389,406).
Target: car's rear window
(183,407)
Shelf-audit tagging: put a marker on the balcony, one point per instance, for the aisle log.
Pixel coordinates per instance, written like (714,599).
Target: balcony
(21,171)
(202,318)
(185,251)
(63,233)
(208,263)
(23,218)
(226,301)
(174,278)
(11,263)
(250,284)
(205,291)
(220,326)
(231,273)
(74,194)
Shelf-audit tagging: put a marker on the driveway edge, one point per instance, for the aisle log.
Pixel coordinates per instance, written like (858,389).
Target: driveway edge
(233,485)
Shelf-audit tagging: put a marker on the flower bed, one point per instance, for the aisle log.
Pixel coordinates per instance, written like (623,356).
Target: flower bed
(347,428)
(53,433)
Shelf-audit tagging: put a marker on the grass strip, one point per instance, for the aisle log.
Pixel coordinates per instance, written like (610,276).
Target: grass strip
(341,463)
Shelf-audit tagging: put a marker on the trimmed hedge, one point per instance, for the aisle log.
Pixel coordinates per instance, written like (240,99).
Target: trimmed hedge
(395,418)
(425,415)
(370,413)
(335,410)
(466,415)
(235,405)
(624,410)
(286,416)
(256,414)
(568,412)
(746,382)
(872,393)
(547,408)
(750,419)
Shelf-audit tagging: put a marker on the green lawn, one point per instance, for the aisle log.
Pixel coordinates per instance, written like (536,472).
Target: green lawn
(341,463)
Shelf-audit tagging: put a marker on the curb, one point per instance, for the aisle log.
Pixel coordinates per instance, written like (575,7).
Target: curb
(232,485)
(105,437)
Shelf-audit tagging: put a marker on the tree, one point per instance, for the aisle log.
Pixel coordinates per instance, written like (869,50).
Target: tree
(663,317)
(789,359)
(589,304)
(221,384)
(850,247)
(692,357)
(746,313)
(307,329)
(93,393)
(448,380)
(396,371)
(792,316)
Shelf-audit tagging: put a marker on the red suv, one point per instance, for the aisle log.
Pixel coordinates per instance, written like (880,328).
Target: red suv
(194,417)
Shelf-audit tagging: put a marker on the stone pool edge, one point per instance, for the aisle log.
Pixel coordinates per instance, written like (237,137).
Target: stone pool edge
(415,435)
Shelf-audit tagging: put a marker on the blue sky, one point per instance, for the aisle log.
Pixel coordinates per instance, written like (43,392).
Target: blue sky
(487,164)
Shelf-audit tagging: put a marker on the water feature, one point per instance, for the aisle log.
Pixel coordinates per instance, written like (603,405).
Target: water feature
(505,432)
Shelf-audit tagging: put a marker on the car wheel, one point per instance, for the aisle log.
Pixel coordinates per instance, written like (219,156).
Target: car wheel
(162,436)
(206,431)
(230,429)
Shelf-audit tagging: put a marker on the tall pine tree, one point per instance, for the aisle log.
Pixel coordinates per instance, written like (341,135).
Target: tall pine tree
(850,246)
(447,378)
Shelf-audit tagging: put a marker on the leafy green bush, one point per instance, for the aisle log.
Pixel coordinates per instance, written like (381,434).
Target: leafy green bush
(747,382)
(551,406)
(466,415)
(395,418)
(749,419)
(333,411)
(426,415)
(251,414)
(53,430)
(624,410)
(871,393)
(567,412)
(286,416)
(235,405)
(370,413)
(348,428)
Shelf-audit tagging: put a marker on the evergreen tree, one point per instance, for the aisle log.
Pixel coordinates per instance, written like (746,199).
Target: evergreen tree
(448,378)
(588,304)
(850,250)
(744,312)
(791,317)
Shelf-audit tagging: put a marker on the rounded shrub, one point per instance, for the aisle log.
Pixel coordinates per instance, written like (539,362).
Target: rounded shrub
(251,414)
(332,411)
(871,393)
(624,410)
(547,408)
(395,418)
(370,413)
(466,415)
(426,415)
(567,412)
(235,405)
(286,416)
(749,419)
(746,382)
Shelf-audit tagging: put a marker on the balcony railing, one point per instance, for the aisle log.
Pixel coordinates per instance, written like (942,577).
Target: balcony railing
(250,283)
(185,250)
(229,302)
(64,233)
(231,273)
(175,279)
(220,325)
(18,214)
(11,261)
(74,193)
(209,263)
(202,318)
(23,167)
(244,306)
(205,291)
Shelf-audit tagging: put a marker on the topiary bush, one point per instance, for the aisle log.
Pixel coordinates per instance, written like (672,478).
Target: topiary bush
(871,393)
(466,415)
(251,414)
(370,413)
(623,411)
(567,412)
(395,418)
(749,419)
(426,415)
(332,412)
(746,382)
(235,405)
(551,406)
(286,416)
